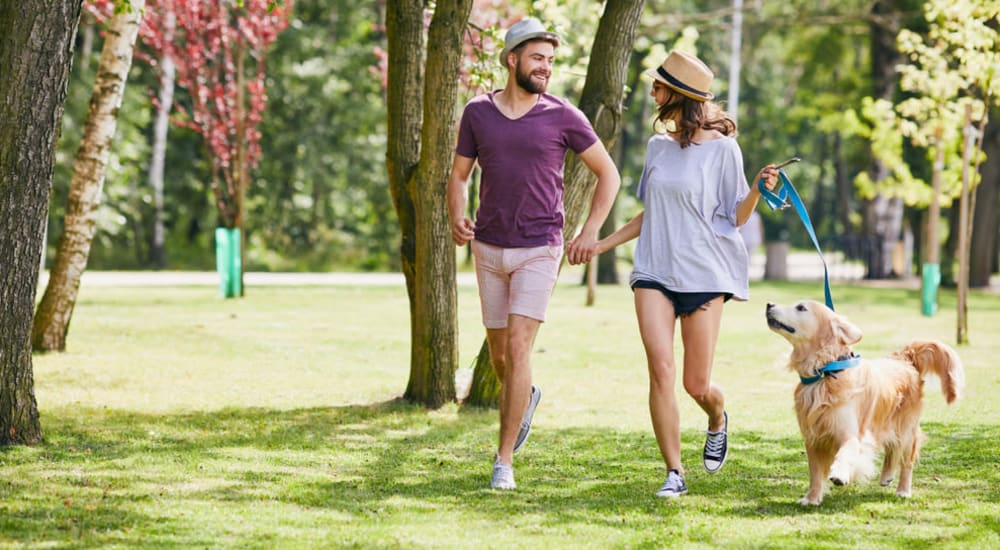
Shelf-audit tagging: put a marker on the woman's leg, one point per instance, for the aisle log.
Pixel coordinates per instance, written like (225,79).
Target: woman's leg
(699,333)
(655,314)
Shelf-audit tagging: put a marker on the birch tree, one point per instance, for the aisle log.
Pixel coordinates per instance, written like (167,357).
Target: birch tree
(86,186)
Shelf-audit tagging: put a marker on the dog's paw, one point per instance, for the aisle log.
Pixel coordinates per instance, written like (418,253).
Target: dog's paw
(838,481)
(806,501)
(885,481)
(903,494)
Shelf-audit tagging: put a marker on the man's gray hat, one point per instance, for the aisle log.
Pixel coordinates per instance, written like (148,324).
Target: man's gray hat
(522,31)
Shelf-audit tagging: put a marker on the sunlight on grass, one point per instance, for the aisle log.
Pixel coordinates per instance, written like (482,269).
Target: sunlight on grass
(181,420)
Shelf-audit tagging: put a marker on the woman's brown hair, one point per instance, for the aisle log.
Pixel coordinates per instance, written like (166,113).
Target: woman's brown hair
(694,115)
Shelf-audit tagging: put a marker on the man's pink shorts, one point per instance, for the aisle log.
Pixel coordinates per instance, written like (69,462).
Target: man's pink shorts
(515,281)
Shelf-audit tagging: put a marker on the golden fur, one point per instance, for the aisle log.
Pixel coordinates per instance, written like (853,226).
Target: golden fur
(847,418)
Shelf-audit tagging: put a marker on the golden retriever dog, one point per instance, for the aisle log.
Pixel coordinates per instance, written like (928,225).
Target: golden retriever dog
(850,407)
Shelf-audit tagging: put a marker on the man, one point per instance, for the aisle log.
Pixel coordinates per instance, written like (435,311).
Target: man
(520,135)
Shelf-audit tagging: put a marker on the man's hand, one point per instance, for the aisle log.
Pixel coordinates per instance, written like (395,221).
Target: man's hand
(463,231)
(582,249)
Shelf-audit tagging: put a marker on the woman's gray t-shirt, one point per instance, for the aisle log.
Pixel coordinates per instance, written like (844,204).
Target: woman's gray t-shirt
(689,240)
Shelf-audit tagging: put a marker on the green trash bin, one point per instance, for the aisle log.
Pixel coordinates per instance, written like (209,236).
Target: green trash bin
(228,261)
(929,289)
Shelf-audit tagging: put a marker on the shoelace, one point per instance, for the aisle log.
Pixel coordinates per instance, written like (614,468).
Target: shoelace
(713,446)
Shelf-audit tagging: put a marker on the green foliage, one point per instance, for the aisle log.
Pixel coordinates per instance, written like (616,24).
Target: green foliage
(950,69)
(319,199)
(178,419)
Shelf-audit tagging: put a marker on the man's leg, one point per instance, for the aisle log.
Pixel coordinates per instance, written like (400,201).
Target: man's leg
(516,390)
(496,340)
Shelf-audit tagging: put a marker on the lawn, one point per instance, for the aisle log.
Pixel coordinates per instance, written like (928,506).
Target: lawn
(177,419)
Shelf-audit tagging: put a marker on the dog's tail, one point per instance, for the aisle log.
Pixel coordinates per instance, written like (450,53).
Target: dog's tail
(939,358)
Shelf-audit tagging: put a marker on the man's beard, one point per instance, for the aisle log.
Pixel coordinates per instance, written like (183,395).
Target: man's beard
(525,81)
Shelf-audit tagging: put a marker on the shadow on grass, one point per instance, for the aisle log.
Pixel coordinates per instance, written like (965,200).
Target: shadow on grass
(106,476)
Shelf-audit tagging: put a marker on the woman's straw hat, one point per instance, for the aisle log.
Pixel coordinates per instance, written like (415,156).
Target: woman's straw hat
(685,74)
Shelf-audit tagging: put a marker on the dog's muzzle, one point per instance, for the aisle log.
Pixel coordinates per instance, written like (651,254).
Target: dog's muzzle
(774,323)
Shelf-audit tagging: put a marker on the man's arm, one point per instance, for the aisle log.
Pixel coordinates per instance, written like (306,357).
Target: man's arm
(461,227)
(582,248)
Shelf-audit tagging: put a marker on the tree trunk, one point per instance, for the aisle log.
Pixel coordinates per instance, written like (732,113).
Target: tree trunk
(35,56)
(601,101)
(969,132)
(419,160)
(165,100)
(485,384)
(404,106)
(844,188)
(56,308)
(984,245)
(949,250)
(432,367)
(607,268)
(883,217)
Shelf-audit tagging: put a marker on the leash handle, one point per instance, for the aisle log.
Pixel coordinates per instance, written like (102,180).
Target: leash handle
(787,196)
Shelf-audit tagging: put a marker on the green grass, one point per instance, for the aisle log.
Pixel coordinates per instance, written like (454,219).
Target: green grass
(177,419)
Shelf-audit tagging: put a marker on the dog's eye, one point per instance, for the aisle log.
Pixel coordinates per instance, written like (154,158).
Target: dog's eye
(801,307)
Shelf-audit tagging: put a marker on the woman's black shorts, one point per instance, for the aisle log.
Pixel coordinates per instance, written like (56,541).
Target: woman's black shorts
(685,303)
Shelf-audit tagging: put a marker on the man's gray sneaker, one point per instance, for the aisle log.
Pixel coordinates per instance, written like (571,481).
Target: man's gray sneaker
(503,476)
(716,448)
(522,435)
(674,486)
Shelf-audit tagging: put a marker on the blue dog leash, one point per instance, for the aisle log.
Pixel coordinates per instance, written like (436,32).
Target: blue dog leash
(788,196)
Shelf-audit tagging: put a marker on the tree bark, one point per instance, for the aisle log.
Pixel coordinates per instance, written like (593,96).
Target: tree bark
(165,101)
(35,57)
(883,217)
(607,263)
(844,190)
(404,106)
(601,101)
(984,245)
(56,308)
(418,159)
(433,365)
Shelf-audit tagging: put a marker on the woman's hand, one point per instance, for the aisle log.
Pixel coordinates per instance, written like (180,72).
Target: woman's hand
(769,174)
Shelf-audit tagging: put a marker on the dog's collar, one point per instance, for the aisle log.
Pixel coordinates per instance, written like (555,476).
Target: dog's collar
(830,369)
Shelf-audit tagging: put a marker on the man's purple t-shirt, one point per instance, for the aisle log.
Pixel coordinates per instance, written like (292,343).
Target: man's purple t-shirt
(521,190)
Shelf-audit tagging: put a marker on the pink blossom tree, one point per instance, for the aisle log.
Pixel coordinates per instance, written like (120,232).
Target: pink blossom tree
(217,50)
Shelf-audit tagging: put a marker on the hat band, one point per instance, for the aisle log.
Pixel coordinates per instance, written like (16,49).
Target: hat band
(673,81)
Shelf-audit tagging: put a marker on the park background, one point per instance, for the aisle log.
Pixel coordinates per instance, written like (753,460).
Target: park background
(319,199)
(176,418)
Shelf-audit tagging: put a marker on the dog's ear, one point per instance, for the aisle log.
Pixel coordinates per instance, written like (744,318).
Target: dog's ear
(845,331)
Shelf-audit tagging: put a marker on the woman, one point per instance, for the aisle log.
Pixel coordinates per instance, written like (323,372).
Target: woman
(690,258)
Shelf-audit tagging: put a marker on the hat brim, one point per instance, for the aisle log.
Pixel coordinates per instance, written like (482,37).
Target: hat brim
(521,40)
(652,73)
